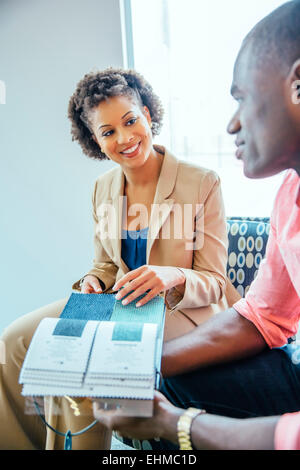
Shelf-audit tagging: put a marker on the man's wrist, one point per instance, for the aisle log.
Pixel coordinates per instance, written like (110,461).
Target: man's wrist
(168,422)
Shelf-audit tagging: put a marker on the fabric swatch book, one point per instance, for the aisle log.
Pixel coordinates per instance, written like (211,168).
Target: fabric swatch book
(98,348)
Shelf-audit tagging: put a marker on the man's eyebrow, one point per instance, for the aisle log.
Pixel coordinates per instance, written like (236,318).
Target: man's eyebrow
(109,125)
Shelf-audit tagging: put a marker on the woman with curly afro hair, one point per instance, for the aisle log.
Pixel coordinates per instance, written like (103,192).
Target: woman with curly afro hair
(159,230)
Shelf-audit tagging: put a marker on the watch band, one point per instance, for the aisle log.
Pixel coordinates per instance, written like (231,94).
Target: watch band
(184,427)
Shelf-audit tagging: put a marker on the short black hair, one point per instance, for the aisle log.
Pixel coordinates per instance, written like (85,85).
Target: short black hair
(276,38)
(101,85)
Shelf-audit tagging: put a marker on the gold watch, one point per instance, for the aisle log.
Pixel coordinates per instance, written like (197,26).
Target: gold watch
(184,427)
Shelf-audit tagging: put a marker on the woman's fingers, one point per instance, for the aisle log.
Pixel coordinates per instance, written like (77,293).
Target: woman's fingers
(134,285)
(153,293)
(91,285)
(129,277)
(146,286)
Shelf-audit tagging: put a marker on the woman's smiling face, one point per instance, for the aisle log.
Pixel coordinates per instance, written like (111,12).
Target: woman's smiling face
(122,129)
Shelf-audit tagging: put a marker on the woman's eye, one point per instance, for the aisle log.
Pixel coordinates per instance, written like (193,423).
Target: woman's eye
(107,134)
(131,121)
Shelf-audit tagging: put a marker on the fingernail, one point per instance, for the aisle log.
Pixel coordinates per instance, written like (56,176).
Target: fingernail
(125,302)
(138,304)
(118,296)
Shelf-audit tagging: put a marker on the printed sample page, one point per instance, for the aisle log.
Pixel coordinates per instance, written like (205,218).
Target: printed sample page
(124,350)
(59,351)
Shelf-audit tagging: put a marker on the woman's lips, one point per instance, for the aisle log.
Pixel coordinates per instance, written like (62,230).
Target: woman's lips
(129,154)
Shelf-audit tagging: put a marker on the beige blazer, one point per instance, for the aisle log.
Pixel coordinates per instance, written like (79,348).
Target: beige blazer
(181,186)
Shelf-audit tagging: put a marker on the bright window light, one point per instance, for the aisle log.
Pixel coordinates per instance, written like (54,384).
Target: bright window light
(186,50)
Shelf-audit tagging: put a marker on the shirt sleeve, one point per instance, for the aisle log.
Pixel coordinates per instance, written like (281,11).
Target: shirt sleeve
(272,303)
(287,432)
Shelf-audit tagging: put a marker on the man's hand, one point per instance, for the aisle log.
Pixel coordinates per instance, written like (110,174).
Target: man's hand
(163,423)
(154,279)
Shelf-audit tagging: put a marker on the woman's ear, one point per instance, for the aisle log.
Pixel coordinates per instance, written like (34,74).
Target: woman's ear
(95,140)
(148,115)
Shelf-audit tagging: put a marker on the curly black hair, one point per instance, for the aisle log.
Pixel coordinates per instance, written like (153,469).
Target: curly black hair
(98,86)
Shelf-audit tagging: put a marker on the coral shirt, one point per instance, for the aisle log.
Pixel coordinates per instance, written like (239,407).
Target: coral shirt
(273,300)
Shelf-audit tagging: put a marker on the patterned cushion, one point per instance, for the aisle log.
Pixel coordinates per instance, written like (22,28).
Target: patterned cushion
(247,238)
(247,246)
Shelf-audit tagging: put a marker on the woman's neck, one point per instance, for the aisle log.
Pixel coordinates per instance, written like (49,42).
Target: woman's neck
(146,175)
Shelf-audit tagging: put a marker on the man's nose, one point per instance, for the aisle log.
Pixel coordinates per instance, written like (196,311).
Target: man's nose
(234,125)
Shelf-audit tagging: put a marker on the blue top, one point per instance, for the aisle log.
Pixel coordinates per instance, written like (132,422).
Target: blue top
(134,245)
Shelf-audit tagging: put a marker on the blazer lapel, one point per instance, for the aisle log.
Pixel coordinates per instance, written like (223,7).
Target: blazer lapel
(117,200)
(162,204)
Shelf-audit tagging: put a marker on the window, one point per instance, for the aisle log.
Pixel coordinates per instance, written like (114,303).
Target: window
(186,50)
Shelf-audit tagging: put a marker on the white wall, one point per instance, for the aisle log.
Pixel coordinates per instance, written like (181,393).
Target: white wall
(45,181)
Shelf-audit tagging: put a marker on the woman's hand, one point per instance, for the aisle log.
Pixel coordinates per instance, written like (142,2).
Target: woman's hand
(91,285)
(154,279)
(162,424)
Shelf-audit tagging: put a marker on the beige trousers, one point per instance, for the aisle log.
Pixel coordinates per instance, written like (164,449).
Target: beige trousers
(21,427)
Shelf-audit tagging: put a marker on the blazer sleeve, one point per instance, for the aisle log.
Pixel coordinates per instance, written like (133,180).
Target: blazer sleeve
(103,266)
(206,281)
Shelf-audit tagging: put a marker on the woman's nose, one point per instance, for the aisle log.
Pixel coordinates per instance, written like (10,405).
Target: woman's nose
(125,136)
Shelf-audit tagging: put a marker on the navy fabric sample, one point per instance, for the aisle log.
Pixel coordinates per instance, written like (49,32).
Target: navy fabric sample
(134,246)
(89,307)
(69,327)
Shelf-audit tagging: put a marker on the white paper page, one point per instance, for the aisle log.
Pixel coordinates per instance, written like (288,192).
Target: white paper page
(88,391)
(128,358)
(56,352)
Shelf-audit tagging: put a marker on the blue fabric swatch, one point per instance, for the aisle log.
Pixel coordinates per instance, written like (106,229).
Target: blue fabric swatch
(69,327)
(151,312)
(127,331)
(98,307)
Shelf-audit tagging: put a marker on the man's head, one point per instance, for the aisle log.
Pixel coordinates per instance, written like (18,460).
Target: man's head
(266,76)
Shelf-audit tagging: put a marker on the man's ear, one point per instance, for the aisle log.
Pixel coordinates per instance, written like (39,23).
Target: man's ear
(293,82)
